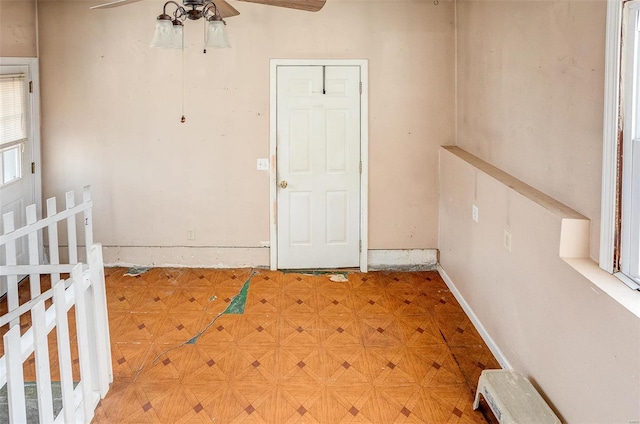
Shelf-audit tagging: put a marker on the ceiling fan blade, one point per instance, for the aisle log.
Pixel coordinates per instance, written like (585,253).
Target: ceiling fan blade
(115,3)
(308,5)
(224,8)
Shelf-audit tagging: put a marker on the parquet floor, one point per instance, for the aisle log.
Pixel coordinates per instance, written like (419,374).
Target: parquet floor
(384,347)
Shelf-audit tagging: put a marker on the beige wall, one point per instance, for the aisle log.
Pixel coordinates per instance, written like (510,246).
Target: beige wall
(530,101)
(111,109)
(18,28)
(576,344)
(530,88)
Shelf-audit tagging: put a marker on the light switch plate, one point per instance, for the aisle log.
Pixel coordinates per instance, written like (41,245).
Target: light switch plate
(262,164)
(506,240)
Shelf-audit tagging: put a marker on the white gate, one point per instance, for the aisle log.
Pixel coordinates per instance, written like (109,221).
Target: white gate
(84,291)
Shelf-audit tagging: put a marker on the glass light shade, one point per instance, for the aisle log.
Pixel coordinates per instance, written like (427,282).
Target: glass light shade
(217,35)
(177,38)
(163,36)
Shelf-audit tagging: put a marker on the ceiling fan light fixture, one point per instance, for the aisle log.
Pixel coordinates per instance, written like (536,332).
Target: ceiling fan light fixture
(169,31)
(216,36)
(163,36)
(178,34)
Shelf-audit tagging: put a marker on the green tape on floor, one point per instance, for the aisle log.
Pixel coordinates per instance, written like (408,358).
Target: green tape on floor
(236,307)
(238,303)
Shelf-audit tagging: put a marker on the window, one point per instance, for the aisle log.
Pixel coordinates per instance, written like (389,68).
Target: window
(13,126)
(630,148)
(620,232)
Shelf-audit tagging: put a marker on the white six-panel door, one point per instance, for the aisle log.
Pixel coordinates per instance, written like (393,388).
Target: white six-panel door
(318,166)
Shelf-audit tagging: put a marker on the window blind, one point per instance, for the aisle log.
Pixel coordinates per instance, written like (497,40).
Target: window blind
(13,108)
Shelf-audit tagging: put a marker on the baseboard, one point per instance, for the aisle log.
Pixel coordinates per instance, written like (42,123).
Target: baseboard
(403,259)
(242,257)
(504,363)
(186,256)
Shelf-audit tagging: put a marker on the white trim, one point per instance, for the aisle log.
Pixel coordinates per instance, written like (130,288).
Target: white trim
(491,344)
(610,134)
(364,157)
(403,259)
(364,150)
(273,171)
(34,76)
(629,239)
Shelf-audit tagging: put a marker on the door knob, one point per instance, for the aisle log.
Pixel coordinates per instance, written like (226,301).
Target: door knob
(284,184)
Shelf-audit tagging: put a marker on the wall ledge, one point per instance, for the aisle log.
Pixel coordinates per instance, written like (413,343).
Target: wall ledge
(547,202)
(574,234)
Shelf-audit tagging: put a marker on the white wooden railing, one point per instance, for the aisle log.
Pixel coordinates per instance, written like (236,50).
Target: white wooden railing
(84,291)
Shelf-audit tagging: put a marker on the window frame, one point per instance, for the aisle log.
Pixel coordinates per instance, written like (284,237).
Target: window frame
(21,136)
(615,243)
(16,145)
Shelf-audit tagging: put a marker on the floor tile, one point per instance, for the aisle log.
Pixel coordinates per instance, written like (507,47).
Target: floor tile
(380,347)
(381,330)
(346,365)
(301,404)
(352,404)
(301,366)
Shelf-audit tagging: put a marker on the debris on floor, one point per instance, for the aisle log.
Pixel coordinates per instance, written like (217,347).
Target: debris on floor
(339,278)
(136,270)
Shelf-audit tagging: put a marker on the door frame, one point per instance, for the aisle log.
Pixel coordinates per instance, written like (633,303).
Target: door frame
(34,104)
(363,64)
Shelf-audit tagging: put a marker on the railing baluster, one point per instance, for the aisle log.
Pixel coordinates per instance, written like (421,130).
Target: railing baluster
(13,301)
(52,232)
(82,332)
(72,241)
(34,253)
(15,378)
(64,353)
(43,371)
(103,343)
(88,221)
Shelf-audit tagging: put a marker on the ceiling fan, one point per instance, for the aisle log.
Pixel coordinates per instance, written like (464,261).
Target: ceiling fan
(225,10)
(169,32)
(169,28)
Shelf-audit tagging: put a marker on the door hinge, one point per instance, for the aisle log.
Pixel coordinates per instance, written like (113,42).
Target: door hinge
(33,167)
(360,245)
(30,86)
(361,167)
(360,87)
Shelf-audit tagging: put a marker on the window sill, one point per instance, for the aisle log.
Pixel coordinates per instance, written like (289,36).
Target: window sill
(609,284)
(574,250)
